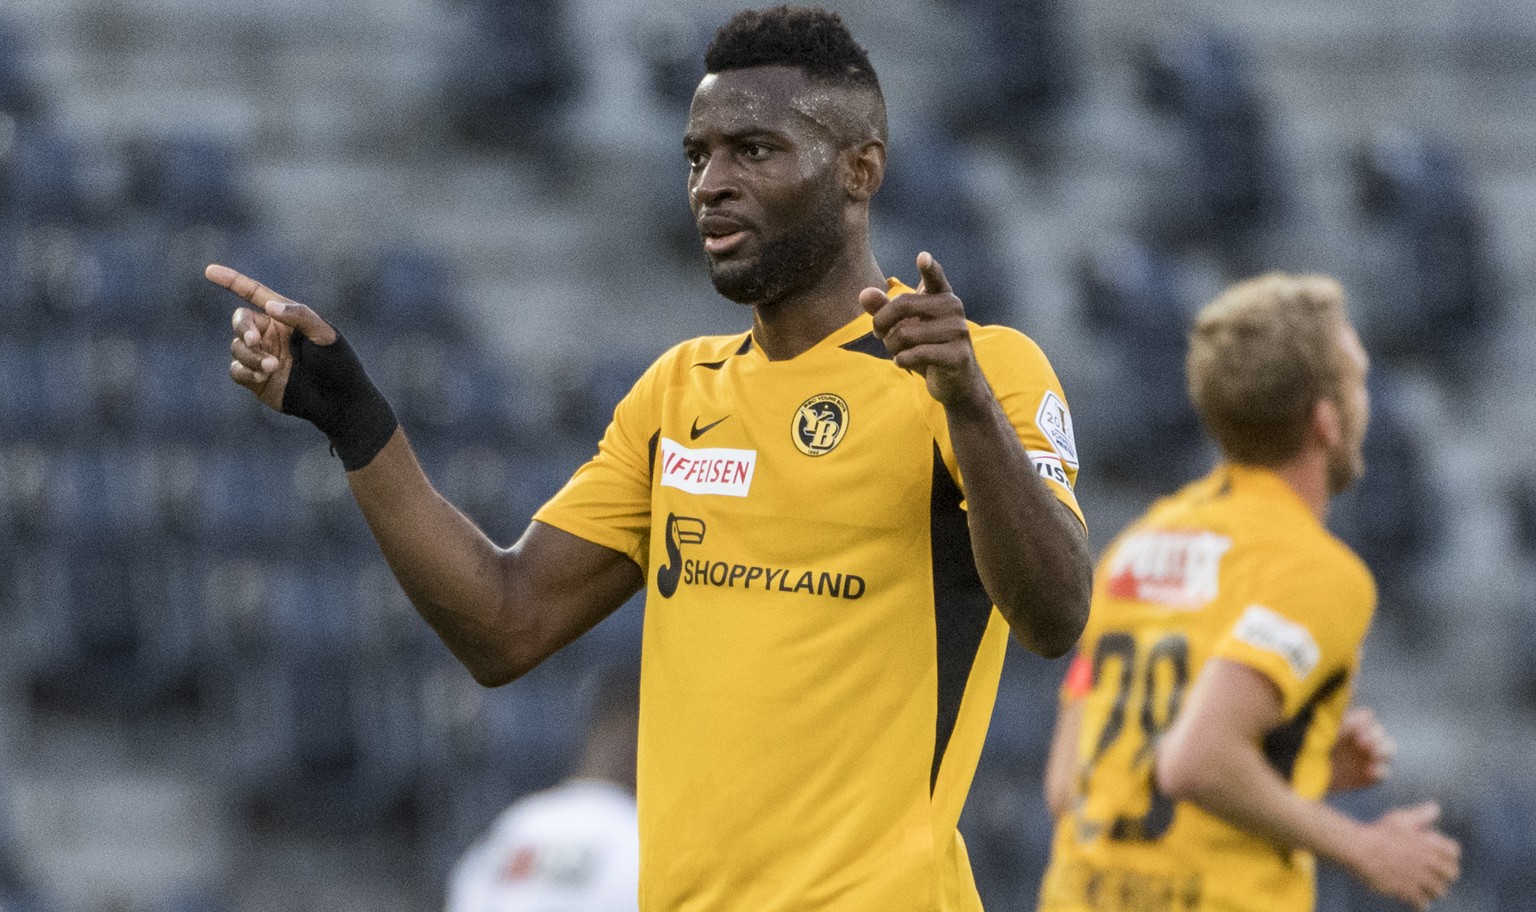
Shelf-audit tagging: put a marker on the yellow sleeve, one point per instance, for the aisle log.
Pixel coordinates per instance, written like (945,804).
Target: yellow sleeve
(1304,625)
(608,500)
(1031,396)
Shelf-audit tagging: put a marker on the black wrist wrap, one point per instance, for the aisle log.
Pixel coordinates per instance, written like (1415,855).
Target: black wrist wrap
(329,388)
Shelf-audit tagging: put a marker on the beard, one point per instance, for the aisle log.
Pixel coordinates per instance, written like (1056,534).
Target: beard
(790,262)
(1345,466)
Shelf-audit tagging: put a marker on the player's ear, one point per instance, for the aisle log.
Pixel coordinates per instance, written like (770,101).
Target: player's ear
(863,169)
(1327,422)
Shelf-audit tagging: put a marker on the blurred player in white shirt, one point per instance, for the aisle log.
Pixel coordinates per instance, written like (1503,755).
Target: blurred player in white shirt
(574,847)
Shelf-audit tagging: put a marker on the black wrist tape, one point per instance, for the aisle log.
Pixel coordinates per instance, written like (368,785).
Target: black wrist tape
(329,388)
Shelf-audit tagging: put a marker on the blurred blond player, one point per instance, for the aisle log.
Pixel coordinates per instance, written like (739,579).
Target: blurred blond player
(1205,715)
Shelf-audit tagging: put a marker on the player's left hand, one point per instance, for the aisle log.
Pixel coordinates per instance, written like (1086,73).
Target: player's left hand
(925,331)
(1362,755)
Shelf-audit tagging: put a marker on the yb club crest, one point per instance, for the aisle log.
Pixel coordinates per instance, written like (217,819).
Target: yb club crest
(819,424)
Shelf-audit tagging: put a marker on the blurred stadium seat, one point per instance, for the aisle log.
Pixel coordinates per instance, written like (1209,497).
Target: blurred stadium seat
(511,89)
(1136,300)
(188,179)
(1020,77)
(184,395)
(406,288)
(123,282)
(246,504)
(39,177)
(1522,506)
(125,641)
(926,204)
(20,97)
(1229,181)
(1441,300)
(671,45)
(1501,844)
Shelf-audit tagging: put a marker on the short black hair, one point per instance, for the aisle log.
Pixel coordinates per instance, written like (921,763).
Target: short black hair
(812,39)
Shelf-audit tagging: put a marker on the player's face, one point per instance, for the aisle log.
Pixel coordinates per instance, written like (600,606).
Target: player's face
(763,181)
(1346,461)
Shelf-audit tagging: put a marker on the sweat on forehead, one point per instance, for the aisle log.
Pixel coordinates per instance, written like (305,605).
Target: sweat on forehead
(762,95)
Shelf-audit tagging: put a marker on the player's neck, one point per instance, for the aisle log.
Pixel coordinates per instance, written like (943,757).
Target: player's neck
(1307,475)
(792,326)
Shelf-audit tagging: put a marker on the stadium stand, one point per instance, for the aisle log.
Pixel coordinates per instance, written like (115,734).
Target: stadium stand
(212,696)
(1228,183)
(512,89)
(1019,77)
(1134,300)
(1415,192)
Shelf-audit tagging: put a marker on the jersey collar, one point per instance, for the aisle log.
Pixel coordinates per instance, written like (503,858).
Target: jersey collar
(860,326)
(1267,485)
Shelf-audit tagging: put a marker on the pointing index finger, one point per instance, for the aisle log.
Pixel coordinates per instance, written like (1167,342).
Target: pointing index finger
(243,285)
(933,281)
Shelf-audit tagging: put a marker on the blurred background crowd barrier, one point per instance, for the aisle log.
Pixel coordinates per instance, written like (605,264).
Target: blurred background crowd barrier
(213,698)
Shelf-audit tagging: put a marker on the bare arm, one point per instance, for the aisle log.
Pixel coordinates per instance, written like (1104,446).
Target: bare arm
(1061,762)
(1030,549)
(500,610)
(1212,757)
(1031,552)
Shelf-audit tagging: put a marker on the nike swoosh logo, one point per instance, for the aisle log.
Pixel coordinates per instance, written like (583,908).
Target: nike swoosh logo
(695,432)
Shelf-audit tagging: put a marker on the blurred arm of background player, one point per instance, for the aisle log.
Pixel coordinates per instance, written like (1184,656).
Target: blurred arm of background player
(1362,756)
(1211,756)
(500,610)
(1061,760)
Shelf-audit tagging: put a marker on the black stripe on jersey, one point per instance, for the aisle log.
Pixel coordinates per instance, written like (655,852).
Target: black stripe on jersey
(655,439)
(1282,745)
(961,606)
(869,344)
(746,346)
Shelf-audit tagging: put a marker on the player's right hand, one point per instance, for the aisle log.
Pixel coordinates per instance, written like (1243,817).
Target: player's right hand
(1362,754)
(926,331)
(1403,856)
(263,331)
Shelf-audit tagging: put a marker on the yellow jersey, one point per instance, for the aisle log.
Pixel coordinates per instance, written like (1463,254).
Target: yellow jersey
(820,659)
(1233,566)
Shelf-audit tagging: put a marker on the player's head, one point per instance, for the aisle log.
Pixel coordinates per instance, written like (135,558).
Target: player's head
(786,145)
(1273,363)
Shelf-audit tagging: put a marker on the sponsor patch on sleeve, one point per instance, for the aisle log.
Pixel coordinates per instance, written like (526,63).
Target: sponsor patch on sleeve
(710,470)
(1265,629)
(1048,465)
(1055,422)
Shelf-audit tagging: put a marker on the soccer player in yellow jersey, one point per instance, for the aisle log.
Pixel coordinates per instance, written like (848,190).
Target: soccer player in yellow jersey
(824,511)
(1204,717)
